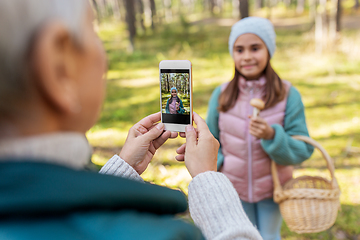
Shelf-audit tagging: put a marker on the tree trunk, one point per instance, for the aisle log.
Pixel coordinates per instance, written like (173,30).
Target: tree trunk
(268,5)
(220,5)
(332,22)
(357,4)
(147,11)
(168,12)
(300,6)
(167,80)
(235,9)
(212,6)
(287,3)
(244,8)
(98,14)
(338,16)
(122,9)
(320,26)
(140,5)
(116,9)
(130,20)
(102,8)
(153,13)
(312,10)
(258,4)
(188,5)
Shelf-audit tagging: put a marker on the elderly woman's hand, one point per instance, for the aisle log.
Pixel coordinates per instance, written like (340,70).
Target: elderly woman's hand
(144,138)
(200,150)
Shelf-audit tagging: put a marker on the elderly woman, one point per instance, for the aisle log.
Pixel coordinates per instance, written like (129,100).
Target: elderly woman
(51,75)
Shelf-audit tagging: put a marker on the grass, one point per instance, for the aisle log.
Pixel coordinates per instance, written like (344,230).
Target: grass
(329,84)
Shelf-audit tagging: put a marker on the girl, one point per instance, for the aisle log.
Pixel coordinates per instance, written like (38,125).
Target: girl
(174,104)
(247,144)
(52,87)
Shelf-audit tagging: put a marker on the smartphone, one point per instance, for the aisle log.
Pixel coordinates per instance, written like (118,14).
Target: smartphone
(176,94)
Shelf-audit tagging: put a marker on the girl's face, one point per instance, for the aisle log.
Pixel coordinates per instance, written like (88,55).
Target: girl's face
(173,93)
(250,55)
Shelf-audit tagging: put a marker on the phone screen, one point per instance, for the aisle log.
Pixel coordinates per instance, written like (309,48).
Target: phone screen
(175,96)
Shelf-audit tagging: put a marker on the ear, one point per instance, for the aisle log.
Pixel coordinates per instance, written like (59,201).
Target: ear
(54,62)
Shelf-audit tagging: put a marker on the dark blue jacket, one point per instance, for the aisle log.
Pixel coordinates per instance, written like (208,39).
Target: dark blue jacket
(45,201)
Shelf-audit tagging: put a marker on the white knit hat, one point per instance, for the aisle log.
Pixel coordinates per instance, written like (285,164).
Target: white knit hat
(261,27)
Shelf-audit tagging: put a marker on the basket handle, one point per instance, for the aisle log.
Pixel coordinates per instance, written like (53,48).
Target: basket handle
(329,163)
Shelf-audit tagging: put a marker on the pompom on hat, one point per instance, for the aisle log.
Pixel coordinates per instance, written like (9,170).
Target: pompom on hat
(261,27)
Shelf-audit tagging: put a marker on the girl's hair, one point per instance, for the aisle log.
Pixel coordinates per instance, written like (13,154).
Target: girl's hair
(274,90)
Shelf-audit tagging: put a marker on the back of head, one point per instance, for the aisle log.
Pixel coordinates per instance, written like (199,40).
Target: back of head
(20,21)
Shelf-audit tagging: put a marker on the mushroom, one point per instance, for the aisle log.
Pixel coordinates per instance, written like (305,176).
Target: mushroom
(258,105)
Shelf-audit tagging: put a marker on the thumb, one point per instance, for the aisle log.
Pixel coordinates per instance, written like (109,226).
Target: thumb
(190,136)
(154,133)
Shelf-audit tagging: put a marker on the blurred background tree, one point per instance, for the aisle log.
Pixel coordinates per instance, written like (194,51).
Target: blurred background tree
(325,15)
(318,51)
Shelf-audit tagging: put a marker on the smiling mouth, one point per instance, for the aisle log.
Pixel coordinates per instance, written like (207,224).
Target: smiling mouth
(248,66)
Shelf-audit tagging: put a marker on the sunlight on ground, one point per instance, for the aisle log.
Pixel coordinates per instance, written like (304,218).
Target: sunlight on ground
(337,128)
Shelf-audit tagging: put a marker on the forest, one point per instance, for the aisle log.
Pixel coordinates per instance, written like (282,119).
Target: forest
(318,51)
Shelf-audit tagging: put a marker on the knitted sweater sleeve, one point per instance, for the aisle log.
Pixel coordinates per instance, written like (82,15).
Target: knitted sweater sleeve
(212,121)
(213,202)
(216,209)
(118,167)
(283,149)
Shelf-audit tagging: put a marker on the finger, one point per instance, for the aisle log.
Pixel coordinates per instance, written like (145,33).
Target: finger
(154,133)
(201,124)
(191,136)
(162,139)
(173,135)
(257,125)
(150,120)
(256,133)
(138,130)
(180,157)
(152,149)
(252,118)
(258,120)
(181,149)
(182,134)
(257,130)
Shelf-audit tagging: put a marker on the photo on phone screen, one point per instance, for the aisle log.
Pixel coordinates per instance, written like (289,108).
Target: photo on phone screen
(175,96)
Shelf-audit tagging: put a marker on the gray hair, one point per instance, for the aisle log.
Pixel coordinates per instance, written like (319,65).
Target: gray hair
(20,20)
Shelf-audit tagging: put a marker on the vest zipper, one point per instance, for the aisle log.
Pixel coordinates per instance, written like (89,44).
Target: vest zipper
(250,190)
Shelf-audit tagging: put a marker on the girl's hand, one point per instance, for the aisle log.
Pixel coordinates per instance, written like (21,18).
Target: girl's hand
(259,128)
(177,106)
(144,138)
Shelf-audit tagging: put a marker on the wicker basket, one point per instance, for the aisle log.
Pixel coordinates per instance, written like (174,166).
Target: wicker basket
(308,204)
